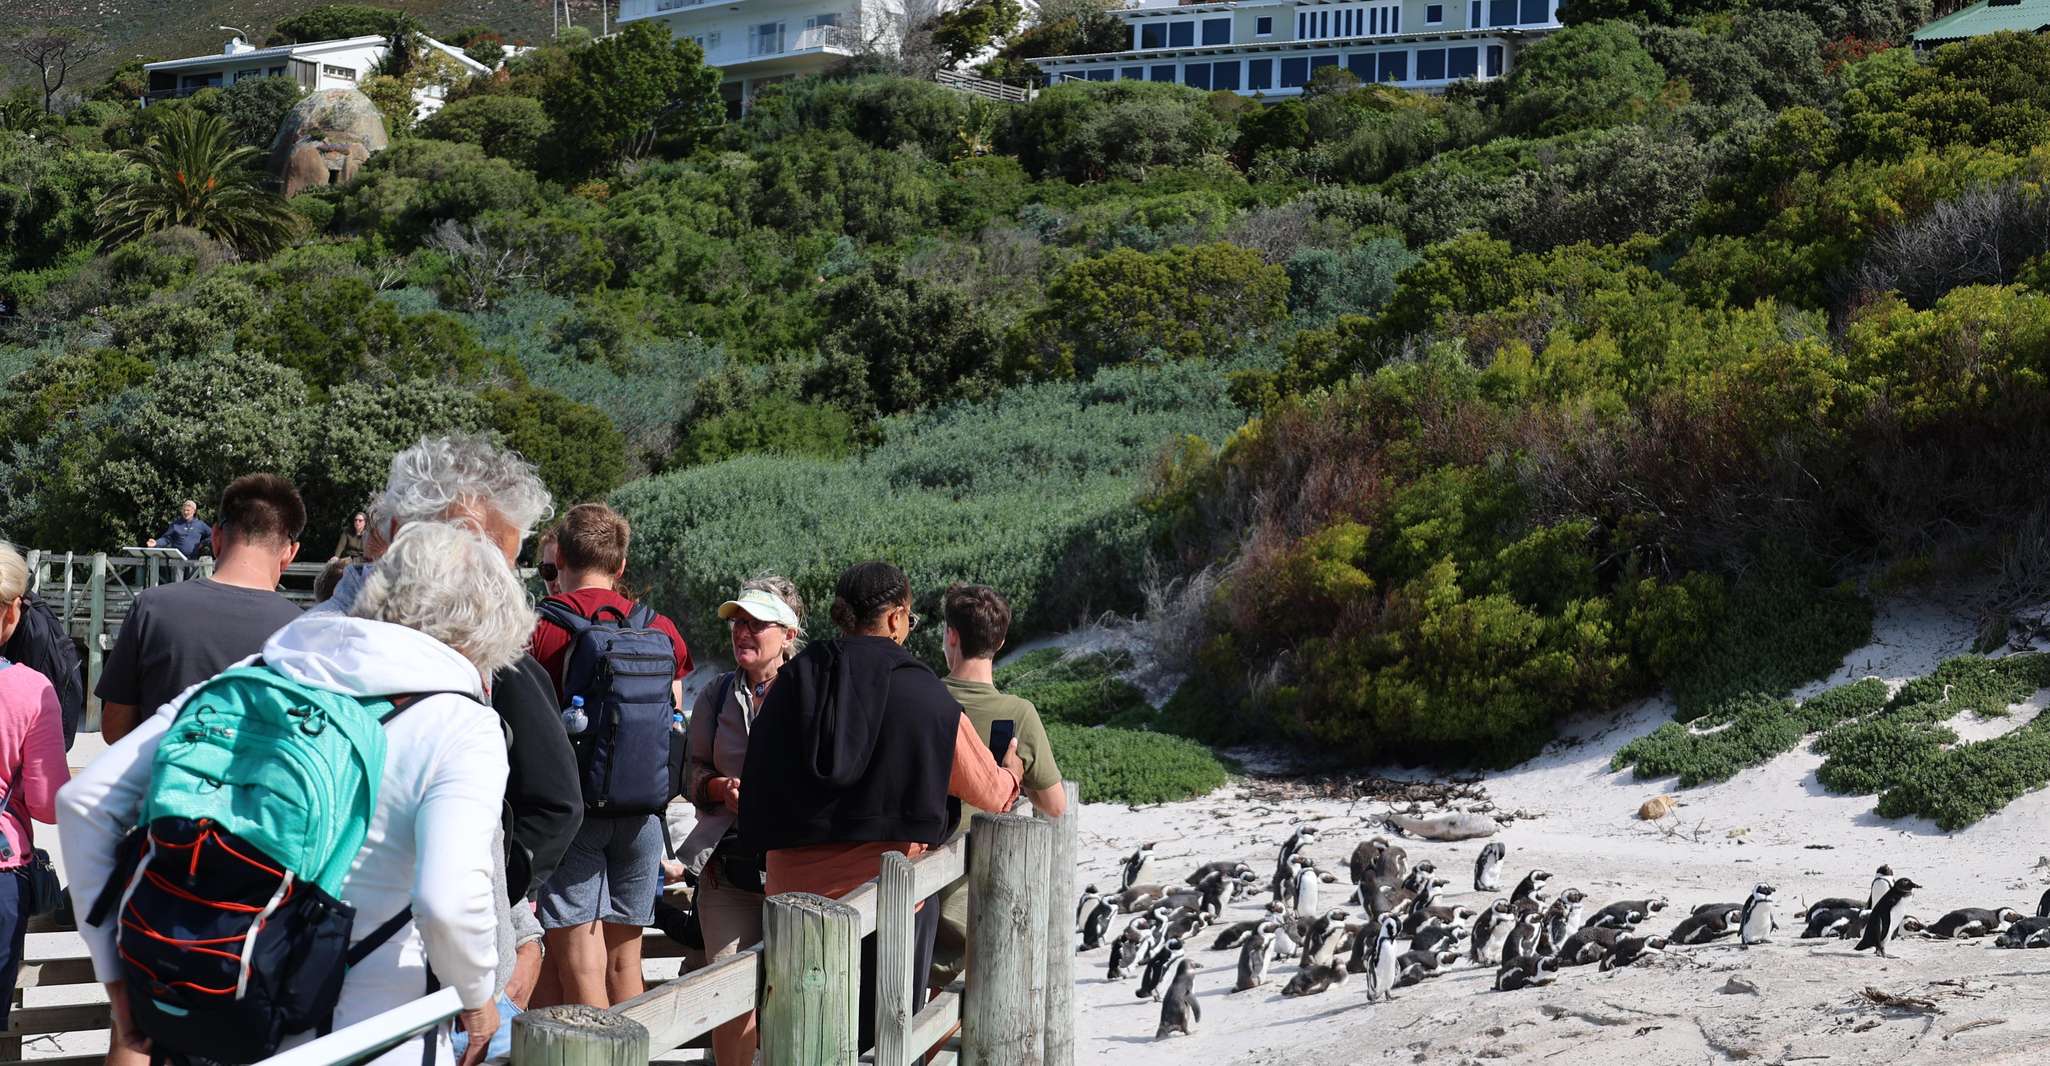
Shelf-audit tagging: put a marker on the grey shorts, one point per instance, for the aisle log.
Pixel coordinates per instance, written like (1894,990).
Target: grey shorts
(611,873)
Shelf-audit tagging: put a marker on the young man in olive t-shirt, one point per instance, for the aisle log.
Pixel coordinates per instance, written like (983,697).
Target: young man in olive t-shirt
(977,621)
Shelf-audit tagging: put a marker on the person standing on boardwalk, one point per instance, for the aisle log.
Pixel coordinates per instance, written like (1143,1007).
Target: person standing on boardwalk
(767,621)
(603,894)
(978,619)
(186,533)
(32,769)
(350,547)
(859,750)
(177,635)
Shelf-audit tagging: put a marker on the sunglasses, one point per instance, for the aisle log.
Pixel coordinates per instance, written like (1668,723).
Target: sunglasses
(911,624)
(547,571)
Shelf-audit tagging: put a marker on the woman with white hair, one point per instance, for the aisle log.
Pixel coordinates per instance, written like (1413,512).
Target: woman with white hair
(31,770)
(440,612)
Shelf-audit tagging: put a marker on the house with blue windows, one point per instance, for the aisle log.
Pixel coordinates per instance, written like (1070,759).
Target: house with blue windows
(1269,48)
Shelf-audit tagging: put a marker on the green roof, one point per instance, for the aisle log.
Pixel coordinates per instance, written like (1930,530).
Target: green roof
(1988,16)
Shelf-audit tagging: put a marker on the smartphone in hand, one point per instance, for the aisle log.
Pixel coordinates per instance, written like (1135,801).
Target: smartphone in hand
(1001,733)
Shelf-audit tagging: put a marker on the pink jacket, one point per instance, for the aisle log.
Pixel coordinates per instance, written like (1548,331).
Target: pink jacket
(32,751)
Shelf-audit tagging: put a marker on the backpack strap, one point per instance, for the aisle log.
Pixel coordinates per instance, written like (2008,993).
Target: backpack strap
(641,617)
(361,949)
(558,612)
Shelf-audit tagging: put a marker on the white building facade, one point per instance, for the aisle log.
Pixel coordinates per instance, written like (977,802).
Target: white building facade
(1270,48)
(757,42)
(315,65)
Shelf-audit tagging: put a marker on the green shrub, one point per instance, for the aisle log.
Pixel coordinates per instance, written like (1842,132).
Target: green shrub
(1128,766)
(1184,303)
(1783,628)
(1091,131)
(1842,704)
(1749,735)
(1082,690)
(1863,758)
(507,127)
(1960,785)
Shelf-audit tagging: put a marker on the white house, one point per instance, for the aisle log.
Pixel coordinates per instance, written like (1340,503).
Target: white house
(755,42)
(315,65)
(1269,48)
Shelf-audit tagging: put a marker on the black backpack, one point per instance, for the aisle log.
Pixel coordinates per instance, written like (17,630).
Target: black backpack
(622,666)
(41,644)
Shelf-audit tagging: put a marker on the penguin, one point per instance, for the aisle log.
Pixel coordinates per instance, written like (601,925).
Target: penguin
(1230,868)
(1973,922)
(1830,922)
(1717,908)
(1096,925)
(1254,955)
(1091,896)
(2027,933)
(1487,870)
(1526,973)
(1885,923)
(1284,872)
(1287,942)
(1629,949)
(1755,924)
(1626,914)
(1438,938)
(1454,914)
(1415,967)
(1835,903)
(1882,882)
(1179,1012)
(1366,857)
(1135,866)
(1552,931)
(1325,940)
(1138,898)
(1523,939)
(1157,969)
(1393,863)
(1186,923)
(1704,926)
(1210,895)
(1313,980)
(1306,881)
(1427,959)
(1491,931)
(1588,945)
(1124,953)
(1381,962)
(1529,886)
(1420,905)
(1236,933)
(2043,905)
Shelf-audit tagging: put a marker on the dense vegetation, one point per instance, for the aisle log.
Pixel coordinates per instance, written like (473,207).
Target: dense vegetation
(1097,724)
(1463,412)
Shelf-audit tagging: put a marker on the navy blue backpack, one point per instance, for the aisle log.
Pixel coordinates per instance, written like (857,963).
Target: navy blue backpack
(622,666)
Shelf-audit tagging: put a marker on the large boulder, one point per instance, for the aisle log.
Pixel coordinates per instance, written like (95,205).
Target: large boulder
(324,138)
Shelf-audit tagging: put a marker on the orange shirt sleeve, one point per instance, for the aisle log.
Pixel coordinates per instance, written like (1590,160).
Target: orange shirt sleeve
(976,778)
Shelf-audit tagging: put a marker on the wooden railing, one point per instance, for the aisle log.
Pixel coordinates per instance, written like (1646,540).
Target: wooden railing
(1003,92)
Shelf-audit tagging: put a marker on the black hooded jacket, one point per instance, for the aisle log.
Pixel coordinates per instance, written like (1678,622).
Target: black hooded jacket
(854,743)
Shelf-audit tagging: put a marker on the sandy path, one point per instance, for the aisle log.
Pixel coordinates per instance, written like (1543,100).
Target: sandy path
(1772,823)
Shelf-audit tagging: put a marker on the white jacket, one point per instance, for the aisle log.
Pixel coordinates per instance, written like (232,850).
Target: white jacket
(429,843)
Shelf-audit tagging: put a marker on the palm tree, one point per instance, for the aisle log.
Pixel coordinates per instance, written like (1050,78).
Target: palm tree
(196,175)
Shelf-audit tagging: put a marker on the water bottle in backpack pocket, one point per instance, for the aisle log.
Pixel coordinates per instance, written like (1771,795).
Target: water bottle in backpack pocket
(622,667)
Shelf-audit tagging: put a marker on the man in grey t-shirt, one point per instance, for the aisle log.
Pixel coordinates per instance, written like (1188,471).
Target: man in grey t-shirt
(178,635)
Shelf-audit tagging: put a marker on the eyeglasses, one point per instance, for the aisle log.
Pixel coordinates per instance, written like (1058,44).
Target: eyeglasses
(547,571)
(911,625)
(752,624)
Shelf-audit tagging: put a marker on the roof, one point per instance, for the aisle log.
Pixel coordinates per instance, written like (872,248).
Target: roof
(278,52)
(1988,16)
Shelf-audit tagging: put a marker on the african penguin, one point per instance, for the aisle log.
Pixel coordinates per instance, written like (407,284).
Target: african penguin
(1325,940)
(1523,939)
(1091,896)
(1487,870)
(1438,938)
(1625,914)
(1588,945)
(1284,871)
(1306,881)
(1552,930)
(2027,933)
(1973,922)
(1313,980)
(1754,923)
(1212,893)
(1525,973)
(2043,905)
(1157,969)
(1885,923)
(1881,882)
(1704,926)
(1124,953)
(1629,949)
(1236,934)
(1528,887)
(1136,864)
(1381,962)
(1254,955)
(1179,1012)
(1490,931)
(1830,922)
(1230,868)
(1139,898)
(1096,925)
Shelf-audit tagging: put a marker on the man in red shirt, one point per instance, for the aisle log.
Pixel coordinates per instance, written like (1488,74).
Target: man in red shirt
(594,908)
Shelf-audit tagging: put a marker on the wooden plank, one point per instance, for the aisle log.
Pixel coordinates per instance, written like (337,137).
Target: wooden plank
(863,900)
(938,1018)
(1060,934)
(1004,1008)
(55,972)
(811,997)
(678,1012)
(942,866)
(896,956)
(70,1018)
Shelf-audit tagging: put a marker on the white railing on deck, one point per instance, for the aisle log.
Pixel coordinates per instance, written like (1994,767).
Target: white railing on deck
(374,1036)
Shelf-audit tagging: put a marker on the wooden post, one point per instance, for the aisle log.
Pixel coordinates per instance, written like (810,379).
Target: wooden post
(896,954)
(35,570)
(1004,1006)
(95,646)
(1060,934)
(576,1035)
(811,1002)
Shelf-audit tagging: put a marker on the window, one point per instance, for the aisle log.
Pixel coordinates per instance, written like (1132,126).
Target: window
(1534,12)
(1217,31)
(1153,35)
(765,38)
(1494,61)
(275,72)
(1160,72)
(1361,64)
(1132,74)
(1473,22)
(252,72)
(1394,66)
(1102,75)
(1395,20)
(1196,75)
(1302,26)
(1181,34)
(1225,76)
(1501,12)
(200,81)
(1259,74)
(1295,73)
(1430,64)
(1323,23)
(1263,26)
(329,69)
(1323,61)
(1463,62)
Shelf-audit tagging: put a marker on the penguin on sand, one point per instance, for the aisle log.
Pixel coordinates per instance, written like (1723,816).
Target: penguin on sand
(1158,967)
(1523,939)
(1629,949)
(1179,1012)
(1091,896)
(1973,922)
(1313,980)
(1135,866)
(1381,970)
(1886,919)
(1527,889)
(1487,870)
(1126,950)
(1831,921)
(1490,931)
(1590,945)
(2027,933)
(2043,905)
(1284,871)
(1705,925)
(1096,925)
(1254,955)
(1526,973)
(1626,914)
(1881,882)
(1755,924)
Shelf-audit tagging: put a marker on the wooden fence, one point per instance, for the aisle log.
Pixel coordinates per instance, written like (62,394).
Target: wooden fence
(1014,1007)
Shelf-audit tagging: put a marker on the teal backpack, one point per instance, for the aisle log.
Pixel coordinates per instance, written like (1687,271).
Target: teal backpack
(233,934)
